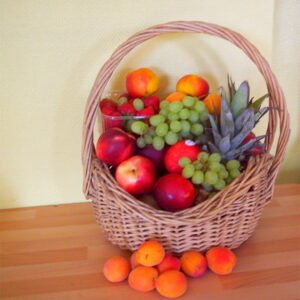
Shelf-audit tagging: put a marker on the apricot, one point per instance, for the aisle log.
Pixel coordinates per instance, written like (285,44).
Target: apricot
(150,254)
(192,85)
(221,260)
(143,278)
(133,260)
(193,264)
(116,269)
(175,96)
(213,103)
(171,284)
(169,262)
(142,82)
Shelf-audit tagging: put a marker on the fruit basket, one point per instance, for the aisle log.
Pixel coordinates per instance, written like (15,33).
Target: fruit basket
(229,217)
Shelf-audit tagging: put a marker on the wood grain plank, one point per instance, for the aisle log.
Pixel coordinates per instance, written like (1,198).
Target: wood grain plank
(41,257)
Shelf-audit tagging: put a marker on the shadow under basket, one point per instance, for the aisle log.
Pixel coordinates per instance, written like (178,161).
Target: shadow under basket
(229,218)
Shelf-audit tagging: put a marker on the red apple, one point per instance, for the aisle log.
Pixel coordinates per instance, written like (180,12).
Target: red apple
(136,175)
(156,156)
(115,146)
(173,192)
(181,149)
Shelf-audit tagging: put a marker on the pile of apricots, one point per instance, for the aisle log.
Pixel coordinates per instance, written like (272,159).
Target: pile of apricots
(151,268)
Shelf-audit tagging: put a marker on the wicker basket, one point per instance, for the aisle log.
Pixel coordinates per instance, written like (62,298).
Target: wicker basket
(230,217)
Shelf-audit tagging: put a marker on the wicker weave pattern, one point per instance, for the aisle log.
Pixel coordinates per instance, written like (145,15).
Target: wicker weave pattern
(228,218)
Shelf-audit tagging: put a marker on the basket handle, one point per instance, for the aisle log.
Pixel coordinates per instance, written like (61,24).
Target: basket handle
(276,96)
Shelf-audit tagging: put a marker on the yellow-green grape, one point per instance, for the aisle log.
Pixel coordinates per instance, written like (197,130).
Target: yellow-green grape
(173,116)
(185,126)
(220,185)
(164,104)
(186,135)
(188,171)
(128,125)
(188,101)
(139,127)
(138,104)
(171,138)
(151,131)
(203,116)
(184,114)
(198,177)
(223,174)
(234,173)
(215,157)
(175,126)
(175,106)
(157,119)
(194,117)
(198,165)
(183,161)
(158,143)
(148,139)
(122,100)
(211,177)
(203,156)
(197,129)
(214,166)
(141,143)
(199,106)
(233,164)
(164,112)
(229,179)
(162,129)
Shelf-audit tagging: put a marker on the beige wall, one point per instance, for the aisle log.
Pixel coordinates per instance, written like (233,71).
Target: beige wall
(52,50)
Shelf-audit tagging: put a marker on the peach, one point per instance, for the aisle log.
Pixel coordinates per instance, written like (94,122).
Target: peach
(142,82)
(169,262)
(213,103)
(116,269)
(150,253)
(192,85)
(193,264)
(133,260)
(221,260)
(175,96)
(171,284)
(143,278)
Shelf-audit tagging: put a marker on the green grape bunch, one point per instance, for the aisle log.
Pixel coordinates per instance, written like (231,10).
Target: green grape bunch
(175,121)
(209,171)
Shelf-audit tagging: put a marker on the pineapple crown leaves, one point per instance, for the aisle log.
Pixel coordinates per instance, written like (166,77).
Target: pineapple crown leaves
(237,119)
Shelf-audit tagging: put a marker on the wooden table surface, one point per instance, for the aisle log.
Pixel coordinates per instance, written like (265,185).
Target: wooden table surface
(57,252)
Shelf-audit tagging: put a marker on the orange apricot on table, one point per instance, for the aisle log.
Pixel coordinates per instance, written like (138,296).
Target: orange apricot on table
(116,269)
(171,284)
(221,260)
(175,96)
(193,263)
(143,278)
(213,103)
(150,253)
(142,82)
(169,262)
(193,85)
(133,260)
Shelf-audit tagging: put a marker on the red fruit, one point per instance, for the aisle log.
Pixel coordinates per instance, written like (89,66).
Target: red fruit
(255,150)
(113,120)
(169,262)
(156,156)
(181,149)
(249,137)
(173,192)
(115,146)
(152,101)
(127,109)
(107,103)
(107,110)
(136,175)
(147,112)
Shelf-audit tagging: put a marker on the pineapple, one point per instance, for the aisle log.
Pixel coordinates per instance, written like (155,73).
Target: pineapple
(238,117)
